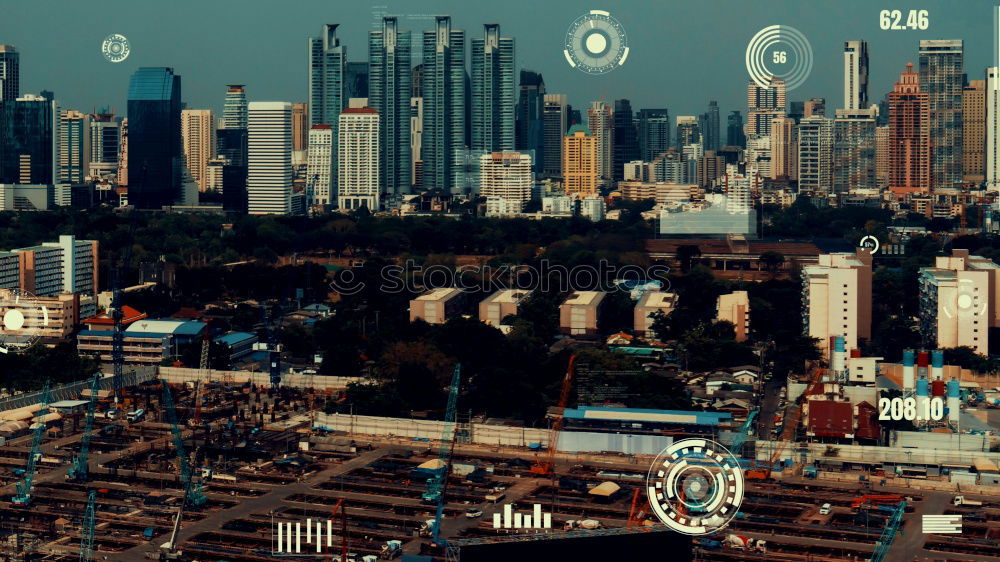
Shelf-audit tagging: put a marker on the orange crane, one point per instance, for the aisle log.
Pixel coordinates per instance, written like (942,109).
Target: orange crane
(548,466)
(788,434)
(635,519)
(343,528)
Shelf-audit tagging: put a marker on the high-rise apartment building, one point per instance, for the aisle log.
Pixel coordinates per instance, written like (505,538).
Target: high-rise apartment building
(416,135)
(492,112)
(389,94)
(942,78)
(855,75)
(530,129)
(269,151)
(854,151)
(973,131)
(688,130)
(626,142)
(909,135)
(816,156)
(55,268)
(958,301)
(74,146)
(580,162)
(300,127)
(155,158)
(10,74)
(814,107)
(837,298)
(601,126)
(234,111)
(506,176)
(654,133)
(763,105)
(882,156)
(198,140)
(710,127)
(784,149)
(105,143)
(444,93)
(735,133)
(319,167)
(555,123)
(327,61)
(358,151)
(992,149)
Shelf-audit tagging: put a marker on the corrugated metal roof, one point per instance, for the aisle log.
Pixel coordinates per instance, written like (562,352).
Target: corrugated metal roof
(828,418)
(604,489)
(235,337)
(175,327)
(639,414)
(984,464)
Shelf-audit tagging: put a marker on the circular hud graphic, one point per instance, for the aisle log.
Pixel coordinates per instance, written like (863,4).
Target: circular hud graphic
(596,43)
(115,47)
(21,320)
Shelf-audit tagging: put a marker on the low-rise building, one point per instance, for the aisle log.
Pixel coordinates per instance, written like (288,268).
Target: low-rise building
(494,308)
(578,314)
(735,308)
(650,302)
(436,306)
(240,344)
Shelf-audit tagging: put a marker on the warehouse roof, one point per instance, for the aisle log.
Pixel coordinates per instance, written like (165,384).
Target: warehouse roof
(605,489)
(69,403)
(166,326)
(233,338)
(984,464)
(639,414)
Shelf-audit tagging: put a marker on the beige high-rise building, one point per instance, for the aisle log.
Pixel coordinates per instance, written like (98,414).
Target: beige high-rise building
(784,149)
(198,139)
(580,167)
(837,293)
(973,131)
(506,175)
(601,124)
(882,156)
(735,308)
(300,127)
(959,301)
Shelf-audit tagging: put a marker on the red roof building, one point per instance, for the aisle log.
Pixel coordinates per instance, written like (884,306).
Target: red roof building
(104,321)
(829,418)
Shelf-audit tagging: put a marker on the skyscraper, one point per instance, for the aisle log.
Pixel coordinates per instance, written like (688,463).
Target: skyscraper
(973,130)
(763,104)
(492,91)
(327,60)
(992,151)
(529,130)
(234,112)
(198,141)
(555,118)
(816,156)
(837,298)
(28,140)
(231,145)
(784,149)
(855,75)
(854,151)
(688,131)
(358,150)
(155,159)
(389,94)
(300,129)
(599,119)
(319,166)
(654,133)
(909,135)
(105,143)
(356,83)
(735,134)
(626,143)
(269,149)
(710,127)
(443,144)
(10,73)
(581,162)
(74,146)
(882,156)
(942,78)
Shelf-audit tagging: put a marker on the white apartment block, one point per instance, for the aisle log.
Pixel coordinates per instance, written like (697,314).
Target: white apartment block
(319,165)
(959,301)
(358,159)
(837,298)
(269,151)
(506,175)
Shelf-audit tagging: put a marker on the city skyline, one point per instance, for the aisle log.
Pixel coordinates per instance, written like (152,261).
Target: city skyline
(82,79)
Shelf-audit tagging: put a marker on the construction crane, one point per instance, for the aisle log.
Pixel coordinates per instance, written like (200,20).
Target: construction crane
(893,525)
(741,437)
(788,434)
(437,486)
(87,531)
(117,314)
(193,494)
(79,471)
(343,527)
(548,466)
(168,550)
(23,497)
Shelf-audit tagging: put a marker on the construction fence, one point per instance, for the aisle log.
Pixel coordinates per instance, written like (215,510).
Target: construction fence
(69,391)
(177,375)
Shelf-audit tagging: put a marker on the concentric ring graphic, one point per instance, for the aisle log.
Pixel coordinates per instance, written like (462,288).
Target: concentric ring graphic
(596,43)
(761,46)
(695,486)
(22,318)
(115,47)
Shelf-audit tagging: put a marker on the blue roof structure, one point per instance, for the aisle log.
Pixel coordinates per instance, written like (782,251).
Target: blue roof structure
(685,417)
(151,83)
(578,127)
(233,338)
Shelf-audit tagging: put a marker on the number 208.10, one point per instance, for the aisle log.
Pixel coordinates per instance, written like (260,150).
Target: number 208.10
(897,409)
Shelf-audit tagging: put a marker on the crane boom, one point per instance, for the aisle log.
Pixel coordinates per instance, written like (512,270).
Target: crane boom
(791,426)
(23,497)
(548,466)
(192,490)
(884,543)
(79,471)
(87,532)
(435,484)
(744,433)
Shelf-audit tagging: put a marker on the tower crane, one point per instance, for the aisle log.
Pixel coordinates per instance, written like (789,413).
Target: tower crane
(788,434)
(744,433)
(24,487)
(87,531)
(548,466)
(79,471)
(884,543)
(438,485)
(193,494)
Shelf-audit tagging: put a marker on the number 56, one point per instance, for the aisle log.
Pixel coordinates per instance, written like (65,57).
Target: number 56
(780,57)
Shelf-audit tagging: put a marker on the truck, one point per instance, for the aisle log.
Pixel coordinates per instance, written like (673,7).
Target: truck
(391,550)
(496,497)
(136,416)
(112,414)
(745,543)
(588,524)
(960,500)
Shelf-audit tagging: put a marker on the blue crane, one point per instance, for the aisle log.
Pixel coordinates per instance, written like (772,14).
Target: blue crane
(87,532)
(117,314)
(438,483)
(23,497)
(79,471)
(192,490)
(741,437)
(889,534)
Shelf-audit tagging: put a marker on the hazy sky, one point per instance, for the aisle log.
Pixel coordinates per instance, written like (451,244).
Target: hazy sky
(683,53)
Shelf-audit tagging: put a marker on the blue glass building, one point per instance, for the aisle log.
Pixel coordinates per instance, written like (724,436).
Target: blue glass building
(389,88)
(27,145)
(444,93)
(154,137)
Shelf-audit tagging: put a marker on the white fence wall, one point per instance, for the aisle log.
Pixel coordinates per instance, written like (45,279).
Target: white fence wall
(183,374)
